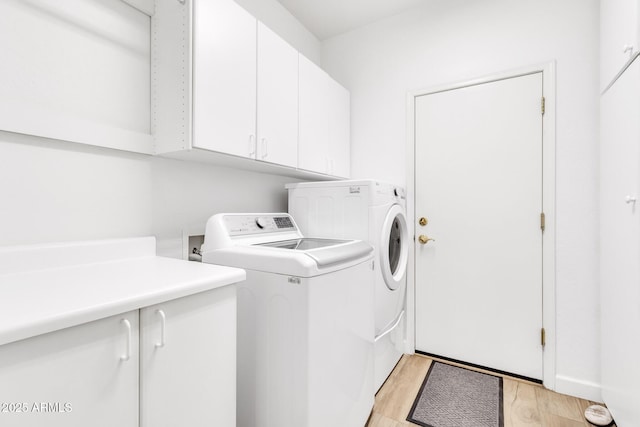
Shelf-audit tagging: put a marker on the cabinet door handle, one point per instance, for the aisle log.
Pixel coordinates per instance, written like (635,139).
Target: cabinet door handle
(127,355)
(163,321)
(252,145)
(265,146)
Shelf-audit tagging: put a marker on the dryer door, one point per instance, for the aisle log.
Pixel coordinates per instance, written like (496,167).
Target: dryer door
(394,247)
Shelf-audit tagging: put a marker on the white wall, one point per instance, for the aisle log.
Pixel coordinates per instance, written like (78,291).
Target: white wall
(55,191)
(457,40)
(58,191)
(186,194)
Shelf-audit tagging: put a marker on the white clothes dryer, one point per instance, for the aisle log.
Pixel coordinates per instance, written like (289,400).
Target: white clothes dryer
(374,212)
(305,342)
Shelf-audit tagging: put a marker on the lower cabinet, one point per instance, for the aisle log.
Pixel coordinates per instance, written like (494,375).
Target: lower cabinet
(188,361)
(86,375)
(166,365)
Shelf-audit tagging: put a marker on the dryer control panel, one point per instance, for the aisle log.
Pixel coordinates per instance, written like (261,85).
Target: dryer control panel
(240,225)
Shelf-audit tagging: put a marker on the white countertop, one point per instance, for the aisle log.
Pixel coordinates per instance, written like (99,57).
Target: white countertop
(44,298)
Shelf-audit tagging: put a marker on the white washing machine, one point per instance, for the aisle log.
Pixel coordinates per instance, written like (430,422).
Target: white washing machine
(305,341)
(374,212)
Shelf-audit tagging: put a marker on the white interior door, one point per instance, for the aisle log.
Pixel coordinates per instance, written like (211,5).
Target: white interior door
(478,164)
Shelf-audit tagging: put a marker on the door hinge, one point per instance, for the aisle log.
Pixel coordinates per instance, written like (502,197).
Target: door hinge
(542,106)
(542,221)
(543,337)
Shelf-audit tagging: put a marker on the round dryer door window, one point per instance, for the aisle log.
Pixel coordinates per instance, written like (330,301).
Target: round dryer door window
(394,247)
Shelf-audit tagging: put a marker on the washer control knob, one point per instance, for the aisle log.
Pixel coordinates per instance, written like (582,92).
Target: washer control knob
(261,222)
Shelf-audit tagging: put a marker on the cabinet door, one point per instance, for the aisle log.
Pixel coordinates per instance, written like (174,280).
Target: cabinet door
(620,247)
(75,377)
(314,118)
(339,130)
(618,29)
(224,78)
(188,361)
(277,99)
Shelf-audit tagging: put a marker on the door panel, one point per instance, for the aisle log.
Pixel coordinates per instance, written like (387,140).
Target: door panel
(224,68)
(479,183)
(189,365)
(277,99)
(74,377)
(339,129)
(314,117)
(620,247)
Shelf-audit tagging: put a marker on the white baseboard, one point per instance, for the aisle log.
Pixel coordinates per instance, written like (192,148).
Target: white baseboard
(579,388)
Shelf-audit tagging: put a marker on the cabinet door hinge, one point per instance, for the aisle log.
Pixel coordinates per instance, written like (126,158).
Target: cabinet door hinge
(542,106)
(543,338)
(542,221)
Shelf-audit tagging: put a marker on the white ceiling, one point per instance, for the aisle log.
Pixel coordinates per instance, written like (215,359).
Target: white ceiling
(327,18)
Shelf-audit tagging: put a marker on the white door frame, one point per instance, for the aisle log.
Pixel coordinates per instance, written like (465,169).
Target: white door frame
(548,202)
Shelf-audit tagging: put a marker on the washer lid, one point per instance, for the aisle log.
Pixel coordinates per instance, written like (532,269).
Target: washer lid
(281,258)
(325,252)
(336,255)
(272,243)
(303,244)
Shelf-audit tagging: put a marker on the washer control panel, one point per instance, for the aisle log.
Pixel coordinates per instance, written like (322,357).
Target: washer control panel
(240,225)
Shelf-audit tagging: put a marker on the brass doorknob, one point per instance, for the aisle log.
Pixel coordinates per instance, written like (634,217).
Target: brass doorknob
(423,221)
(424,239)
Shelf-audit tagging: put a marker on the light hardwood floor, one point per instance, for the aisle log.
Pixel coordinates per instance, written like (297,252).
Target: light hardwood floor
(525,404)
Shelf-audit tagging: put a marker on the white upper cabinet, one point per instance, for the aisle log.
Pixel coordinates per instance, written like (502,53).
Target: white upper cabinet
(277,99)
(314,118)
(224,78)
(339,129)
(619,36)
(228,90)
(324,122)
